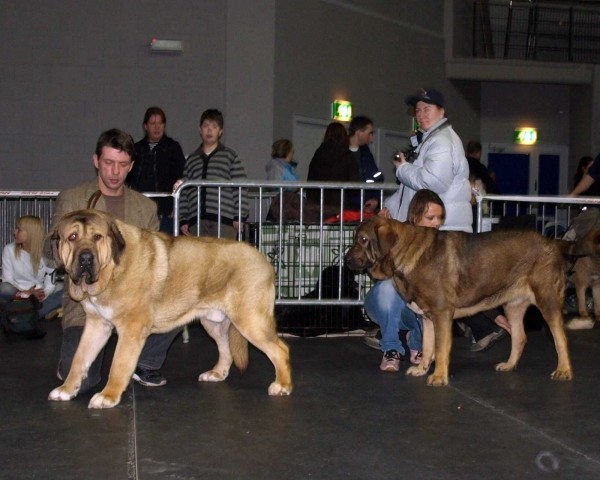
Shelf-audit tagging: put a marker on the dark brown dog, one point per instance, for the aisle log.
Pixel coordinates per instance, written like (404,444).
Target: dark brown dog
(454,274)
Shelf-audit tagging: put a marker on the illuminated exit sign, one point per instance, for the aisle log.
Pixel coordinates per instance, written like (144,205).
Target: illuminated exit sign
(526,136)
(341,111)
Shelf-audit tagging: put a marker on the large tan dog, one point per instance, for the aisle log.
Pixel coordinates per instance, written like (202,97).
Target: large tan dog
(144,282)
(453,274)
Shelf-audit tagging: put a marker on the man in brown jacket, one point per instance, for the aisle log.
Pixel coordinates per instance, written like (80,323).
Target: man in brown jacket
(114,157)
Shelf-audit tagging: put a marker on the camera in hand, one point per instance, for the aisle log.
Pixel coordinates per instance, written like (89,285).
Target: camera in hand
(409,154)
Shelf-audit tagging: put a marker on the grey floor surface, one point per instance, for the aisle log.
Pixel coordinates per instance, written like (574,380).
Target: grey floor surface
(345,420)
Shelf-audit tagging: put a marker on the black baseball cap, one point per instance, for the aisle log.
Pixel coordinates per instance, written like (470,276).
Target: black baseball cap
(429,95)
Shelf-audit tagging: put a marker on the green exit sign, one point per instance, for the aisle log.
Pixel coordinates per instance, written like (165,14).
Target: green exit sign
(526,136)
(341,110)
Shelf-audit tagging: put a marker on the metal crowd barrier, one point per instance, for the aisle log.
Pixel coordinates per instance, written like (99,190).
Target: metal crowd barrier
(305,255)
(552,215)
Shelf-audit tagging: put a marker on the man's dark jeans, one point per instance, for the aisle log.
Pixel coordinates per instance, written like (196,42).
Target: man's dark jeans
(152,357)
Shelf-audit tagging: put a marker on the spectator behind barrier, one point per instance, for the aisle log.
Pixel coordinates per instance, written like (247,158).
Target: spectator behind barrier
(440,165)
(584,182)
(333,162)
(281,167)
(478,169)
(360,132)
(213,161)
(159,164)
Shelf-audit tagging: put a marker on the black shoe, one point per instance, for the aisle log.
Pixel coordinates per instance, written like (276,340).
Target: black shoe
(149,378)
(36,334)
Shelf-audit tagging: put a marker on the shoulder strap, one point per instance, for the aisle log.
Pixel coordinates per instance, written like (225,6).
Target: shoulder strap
(94,199)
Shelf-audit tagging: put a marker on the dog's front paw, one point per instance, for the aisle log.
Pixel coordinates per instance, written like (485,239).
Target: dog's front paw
(278,389)
(212,376)
(102,400)
(60,394)
(505,367)
(437,380)
(416,371)
(562,375)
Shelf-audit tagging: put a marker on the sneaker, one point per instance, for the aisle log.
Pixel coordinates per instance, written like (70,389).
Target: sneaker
(149,378)
(580,324)
(390,361)
(486,342)
(415,357)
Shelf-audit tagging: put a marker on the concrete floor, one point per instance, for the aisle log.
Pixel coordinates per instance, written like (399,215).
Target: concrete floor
(345,419)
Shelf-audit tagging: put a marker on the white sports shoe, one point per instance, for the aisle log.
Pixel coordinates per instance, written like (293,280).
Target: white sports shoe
(580,324)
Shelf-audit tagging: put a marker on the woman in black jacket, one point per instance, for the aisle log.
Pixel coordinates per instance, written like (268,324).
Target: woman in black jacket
(333,162)
(159,164)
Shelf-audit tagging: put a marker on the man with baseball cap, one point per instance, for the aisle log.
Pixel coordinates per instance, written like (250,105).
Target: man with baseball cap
(440,165)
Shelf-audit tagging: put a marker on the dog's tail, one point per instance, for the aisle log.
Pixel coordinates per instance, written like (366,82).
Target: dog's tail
(239,348)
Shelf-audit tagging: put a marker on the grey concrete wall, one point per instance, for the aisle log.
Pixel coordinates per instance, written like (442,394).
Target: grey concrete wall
(249,81)
(506,106)
(73,69)
(372,53)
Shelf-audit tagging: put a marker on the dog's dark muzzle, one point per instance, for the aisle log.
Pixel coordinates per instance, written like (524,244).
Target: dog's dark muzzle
(85,268)
(357,260)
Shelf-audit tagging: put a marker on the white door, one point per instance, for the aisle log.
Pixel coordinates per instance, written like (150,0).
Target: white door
(308,134)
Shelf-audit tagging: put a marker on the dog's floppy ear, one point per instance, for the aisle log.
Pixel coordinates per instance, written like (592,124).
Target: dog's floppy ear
(50,248)
(118,242)
(386,238)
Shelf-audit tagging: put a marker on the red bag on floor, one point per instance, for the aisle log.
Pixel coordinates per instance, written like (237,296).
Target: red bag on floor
(349,216)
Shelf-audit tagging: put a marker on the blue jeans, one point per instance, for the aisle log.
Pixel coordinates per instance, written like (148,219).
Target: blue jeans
(51,303)
(387,308)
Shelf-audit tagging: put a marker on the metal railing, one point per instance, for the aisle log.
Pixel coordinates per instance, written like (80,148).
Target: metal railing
(534,31)
(300,251)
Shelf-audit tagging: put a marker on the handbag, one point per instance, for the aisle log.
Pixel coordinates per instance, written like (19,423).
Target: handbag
(21,317)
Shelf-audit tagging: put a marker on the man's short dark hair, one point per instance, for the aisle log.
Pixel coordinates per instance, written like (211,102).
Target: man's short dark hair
(214,115)
(154,111)
(359,123)
(473,147)
(117,139)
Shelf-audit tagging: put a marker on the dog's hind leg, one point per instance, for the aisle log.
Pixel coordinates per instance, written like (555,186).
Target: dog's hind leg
(596,296)
(428,349)
(581,285)
(514,312)
(550,307)
(95,335)
(443,346)
(219,333)
(262,333)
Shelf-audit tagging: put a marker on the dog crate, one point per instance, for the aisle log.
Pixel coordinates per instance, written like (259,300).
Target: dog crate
(298,254)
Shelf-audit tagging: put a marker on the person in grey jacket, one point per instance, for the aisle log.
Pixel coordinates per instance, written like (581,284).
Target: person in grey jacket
(440,165)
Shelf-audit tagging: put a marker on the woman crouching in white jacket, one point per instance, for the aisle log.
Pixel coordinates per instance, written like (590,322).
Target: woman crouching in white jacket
(440,165)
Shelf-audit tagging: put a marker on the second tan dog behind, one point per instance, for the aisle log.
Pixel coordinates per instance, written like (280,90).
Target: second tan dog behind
(454,274)
(144,282)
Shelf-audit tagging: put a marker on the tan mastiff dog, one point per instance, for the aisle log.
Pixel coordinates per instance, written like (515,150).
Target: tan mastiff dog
(454,274)
(144,282)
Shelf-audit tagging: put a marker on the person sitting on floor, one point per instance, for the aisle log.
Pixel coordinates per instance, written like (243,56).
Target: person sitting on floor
(386,307)
(23,269)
